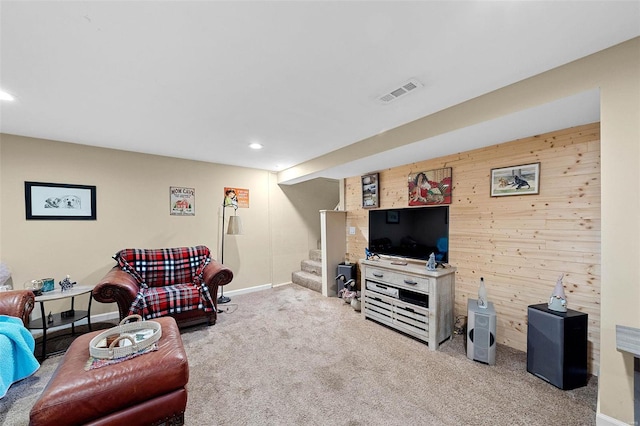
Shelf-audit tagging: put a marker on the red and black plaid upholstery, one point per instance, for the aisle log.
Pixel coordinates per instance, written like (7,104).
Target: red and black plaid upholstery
(170,279)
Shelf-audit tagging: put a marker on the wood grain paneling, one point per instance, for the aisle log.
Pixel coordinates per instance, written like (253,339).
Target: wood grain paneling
(519,244)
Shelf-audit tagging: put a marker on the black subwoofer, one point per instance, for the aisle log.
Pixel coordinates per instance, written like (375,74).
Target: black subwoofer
(557,346)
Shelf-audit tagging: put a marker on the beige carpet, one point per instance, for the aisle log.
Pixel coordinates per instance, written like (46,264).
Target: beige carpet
(288,356)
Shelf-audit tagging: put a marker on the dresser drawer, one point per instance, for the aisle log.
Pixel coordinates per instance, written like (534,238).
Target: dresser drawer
(398,279)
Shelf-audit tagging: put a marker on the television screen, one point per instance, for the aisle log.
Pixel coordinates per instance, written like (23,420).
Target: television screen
(410,232)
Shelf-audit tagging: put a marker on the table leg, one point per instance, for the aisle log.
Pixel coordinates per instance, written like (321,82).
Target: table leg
(73,324)
(89,311)
(44,332)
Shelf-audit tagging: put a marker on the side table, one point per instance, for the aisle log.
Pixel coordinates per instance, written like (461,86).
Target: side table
(58,318)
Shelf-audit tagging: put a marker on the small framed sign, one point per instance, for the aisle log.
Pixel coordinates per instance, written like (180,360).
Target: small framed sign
(182,201)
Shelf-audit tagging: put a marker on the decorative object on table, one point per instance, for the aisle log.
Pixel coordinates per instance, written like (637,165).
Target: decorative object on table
(234,228)
(130,337)
(68,314)
(431,263)
(430,187)
(370,255)
(5,274)
(66,284)
(59,201)
(48,284)
(370,191)
(558,300)
(49,318)
(482,295)
(34,285)
(515,180)
(182,201)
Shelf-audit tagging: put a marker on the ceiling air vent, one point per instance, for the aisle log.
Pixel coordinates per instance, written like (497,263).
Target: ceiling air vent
(406,87)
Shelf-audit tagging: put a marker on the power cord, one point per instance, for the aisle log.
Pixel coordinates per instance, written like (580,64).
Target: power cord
(227,308)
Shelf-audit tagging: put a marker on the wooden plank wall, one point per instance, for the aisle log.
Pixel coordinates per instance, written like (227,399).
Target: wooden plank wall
(519,244)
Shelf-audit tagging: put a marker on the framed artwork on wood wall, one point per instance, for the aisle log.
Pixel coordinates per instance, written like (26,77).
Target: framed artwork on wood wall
(59,201)
(515,180)
(370,191)
(430,187)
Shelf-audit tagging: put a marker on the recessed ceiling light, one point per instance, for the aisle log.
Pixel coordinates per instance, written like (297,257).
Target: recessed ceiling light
(4,96)
(255,145)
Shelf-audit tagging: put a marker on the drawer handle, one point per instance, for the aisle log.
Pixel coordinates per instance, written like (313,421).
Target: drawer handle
(377,275)
(381,286)
(410,282)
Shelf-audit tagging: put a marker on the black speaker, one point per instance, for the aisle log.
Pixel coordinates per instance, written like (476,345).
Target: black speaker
(557,346)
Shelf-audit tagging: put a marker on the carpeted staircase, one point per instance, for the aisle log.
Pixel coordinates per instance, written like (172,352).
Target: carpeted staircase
(311,274)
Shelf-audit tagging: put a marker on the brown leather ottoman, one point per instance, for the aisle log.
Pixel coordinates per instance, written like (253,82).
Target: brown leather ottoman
(149,389)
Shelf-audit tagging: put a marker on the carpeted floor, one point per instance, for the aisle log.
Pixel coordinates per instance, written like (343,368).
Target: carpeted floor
(288,356)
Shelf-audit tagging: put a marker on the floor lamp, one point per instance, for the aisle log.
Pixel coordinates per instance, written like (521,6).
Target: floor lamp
(235,228)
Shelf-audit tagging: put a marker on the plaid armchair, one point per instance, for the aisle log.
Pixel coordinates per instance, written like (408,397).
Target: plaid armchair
(178,282)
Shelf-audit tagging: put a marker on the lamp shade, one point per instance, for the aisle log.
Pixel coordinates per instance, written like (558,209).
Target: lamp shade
(235,225)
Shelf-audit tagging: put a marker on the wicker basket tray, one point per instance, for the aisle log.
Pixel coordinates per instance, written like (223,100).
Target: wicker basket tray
(125,339)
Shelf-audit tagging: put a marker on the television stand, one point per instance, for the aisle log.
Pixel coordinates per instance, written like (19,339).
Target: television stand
(410,299)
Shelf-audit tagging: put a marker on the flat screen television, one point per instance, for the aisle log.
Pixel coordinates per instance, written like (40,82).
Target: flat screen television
(412,233)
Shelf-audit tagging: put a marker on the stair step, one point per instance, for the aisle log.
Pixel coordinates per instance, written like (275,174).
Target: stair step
(311,266)
(305,279)
(315,254)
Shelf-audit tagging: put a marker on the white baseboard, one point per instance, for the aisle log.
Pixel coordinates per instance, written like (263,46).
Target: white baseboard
(247,290)
(604,420)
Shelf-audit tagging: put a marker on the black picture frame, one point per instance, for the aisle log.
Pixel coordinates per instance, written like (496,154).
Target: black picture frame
(59,201)
(370,191)
(393,216)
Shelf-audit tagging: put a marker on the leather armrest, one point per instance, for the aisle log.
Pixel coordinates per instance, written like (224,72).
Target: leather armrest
(117,286)
(215,274)
(17,303)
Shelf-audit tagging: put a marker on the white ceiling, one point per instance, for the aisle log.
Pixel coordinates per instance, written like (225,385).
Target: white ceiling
(201,80)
